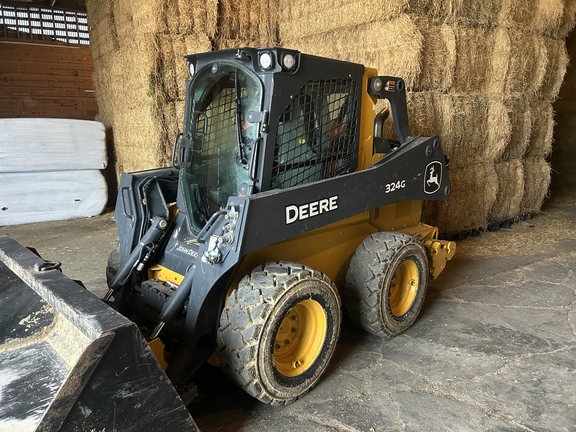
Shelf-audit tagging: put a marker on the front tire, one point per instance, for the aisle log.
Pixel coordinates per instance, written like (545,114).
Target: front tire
(386,283)
(113,263)
(279,331)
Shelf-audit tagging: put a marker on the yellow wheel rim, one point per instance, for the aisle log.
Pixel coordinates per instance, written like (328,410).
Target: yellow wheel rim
(300,338)
(404,288)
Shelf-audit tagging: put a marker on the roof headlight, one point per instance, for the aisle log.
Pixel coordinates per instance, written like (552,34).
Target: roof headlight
(266,60)
(288,61)
(191,69)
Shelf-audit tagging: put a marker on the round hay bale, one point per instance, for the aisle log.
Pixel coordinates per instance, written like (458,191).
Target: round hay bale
(474,190)
(520,114)
(474,47)
(537,175)
(305,18)
(438,56)
(541,138)
(557,64)
(510,191)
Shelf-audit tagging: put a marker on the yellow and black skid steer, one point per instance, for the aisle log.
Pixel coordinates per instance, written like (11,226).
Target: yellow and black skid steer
(283,205)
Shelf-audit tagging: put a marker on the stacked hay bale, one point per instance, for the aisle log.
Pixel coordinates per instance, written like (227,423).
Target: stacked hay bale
(140,70)
(481,74)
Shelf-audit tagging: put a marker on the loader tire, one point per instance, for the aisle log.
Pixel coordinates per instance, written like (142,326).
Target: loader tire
(386,283)
(113,263)
(279,331)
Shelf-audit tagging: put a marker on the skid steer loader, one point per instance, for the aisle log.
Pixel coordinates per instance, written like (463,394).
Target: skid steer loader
(283,205)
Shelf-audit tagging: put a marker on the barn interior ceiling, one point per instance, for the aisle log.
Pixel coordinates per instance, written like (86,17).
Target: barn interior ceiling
(60,4)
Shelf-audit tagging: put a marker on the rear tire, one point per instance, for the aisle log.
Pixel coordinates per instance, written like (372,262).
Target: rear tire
(279,331)
(386,283)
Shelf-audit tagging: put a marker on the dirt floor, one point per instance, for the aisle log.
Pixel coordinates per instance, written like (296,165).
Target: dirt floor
(494,347)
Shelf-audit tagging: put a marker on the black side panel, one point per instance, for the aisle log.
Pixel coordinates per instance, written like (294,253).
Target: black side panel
(415,171)
(141,196)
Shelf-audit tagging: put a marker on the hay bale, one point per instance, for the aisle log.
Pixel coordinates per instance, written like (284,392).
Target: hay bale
(181,47)
(424,116)
(557,63)
(510,194)
(516,14)
(164,56)
(476,12)
(136,139)
(254,22)
(148,17)
(463,210)
(520,114)
(568,21)
(438,56)
(548,15)
(518,62)
(103,34)
(475,48)
(475,128)
(303,18)
(537,175)
(392,47)
(541,138)
(172,13)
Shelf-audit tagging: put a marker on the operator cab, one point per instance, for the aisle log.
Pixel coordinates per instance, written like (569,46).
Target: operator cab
(253,124)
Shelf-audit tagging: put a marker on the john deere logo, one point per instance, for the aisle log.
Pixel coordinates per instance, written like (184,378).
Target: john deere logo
(433,177)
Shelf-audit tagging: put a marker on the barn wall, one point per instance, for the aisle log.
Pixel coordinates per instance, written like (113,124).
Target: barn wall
(46,80)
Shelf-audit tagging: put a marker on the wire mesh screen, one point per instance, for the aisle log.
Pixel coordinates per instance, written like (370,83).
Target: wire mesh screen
(318,134)
(27,22)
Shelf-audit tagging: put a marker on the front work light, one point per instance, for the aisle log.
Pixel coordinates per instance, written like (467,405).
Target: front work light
(266,61)
(288,61)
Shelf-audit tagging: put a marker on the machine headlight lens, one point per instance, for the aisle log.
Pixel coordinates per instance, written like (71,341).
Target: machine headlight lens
(266,60)
(191,69)
(288,61)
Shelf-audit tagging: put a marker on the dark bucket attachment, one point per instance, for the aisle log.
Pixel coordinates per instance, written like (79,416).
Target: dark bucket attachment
(70,362)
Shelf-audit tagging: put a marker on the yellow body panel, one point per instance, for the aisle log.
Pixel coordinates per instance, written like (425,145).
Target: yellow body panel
(327,249)
(162,273)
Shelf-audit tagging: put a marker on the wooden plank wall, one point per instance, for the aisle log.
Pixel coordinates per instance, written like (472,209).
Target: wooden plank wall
(46,80)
